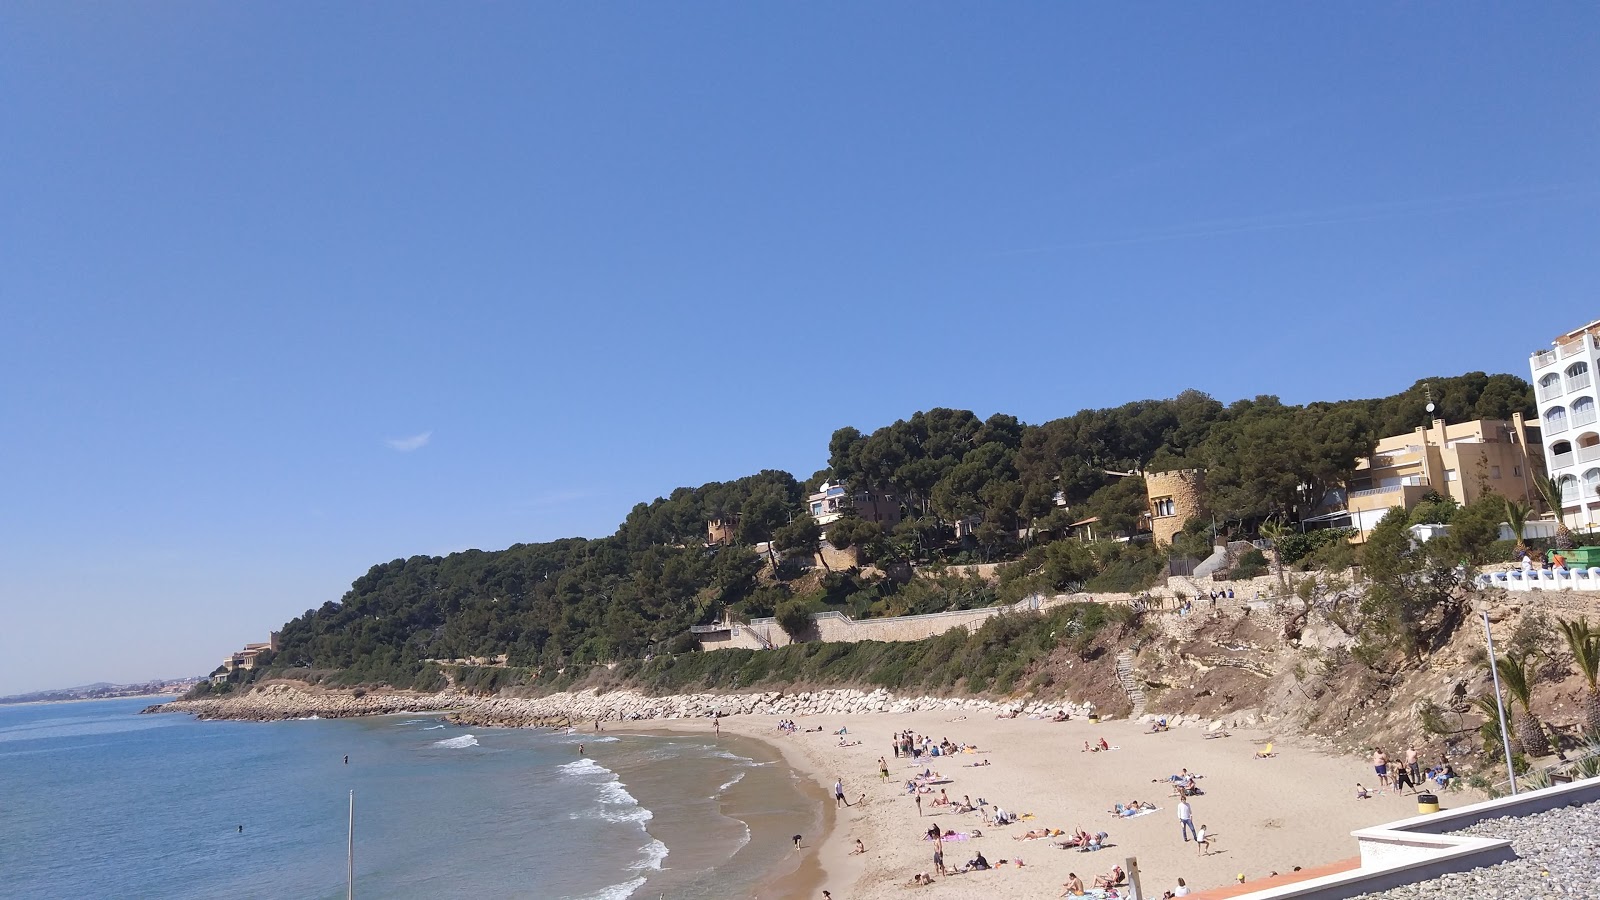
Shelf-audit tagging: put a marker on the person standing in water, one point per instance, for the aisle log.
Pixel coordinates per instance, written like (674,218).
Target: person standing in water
(580,749)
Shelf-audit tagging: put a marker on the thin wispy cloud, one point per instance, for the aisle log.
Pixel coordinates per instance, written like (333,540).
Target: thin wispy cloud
(408,444)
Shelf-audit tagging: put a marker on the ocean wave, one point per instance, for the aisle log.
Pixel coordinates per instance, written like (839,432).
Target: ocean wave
(654,853)
(583,766)
(616,891)
(457,743)
(433,728)
(616,804)
(723,754)
(738,777)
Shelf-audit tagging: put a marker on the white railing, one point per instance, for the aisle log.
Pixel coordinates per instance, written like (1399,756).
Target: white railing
(1544,358)
(1555,426)
(1580,380)
(1575,347)
(1583,416)
(1589,454)
(1550,391)
(1561,460)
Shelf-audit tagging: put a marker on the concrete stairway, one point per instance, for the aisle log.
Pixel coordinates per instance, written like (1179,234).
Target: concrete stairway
(1130,685)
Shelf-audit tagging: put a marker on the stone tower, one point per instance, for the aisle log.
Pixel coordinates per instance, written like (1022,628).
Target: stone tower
(1175,498)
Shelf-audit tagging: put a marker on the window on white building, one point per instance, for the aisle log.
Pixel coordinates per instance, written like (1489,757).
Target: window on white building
(1449,474)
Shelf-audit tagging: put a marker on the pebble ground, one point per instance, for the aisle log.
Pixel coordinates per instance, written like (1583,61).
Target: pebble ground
(1558,856)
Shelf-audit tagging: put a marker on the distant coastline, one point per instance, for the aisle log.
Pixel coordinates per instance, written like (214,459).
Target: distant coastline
(159,688)
(91,699)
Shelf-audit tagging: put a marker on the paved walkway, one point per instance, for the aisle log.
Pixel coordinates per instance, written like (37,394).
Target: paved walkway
(1261,884)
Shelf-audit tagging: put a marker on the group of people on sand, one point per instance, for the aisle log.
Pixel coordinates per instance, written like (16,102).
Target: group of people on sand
(1405,774)
(1408,773)
(907,745)
(1110,883)
(1099,746)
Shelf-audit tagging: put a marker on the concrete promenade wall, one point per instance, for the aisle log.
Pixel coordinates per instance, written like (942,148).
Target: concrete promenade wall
(764,633)
(836,626)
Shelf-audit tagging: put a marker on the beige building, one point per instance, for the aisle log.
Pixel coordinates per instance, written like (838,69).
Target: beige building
(1175,498)
(722,531)
(1463,461)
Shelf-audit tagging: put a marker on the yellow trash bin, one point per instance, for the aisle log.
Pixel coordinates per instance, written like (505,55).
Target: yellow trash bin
(1427,803)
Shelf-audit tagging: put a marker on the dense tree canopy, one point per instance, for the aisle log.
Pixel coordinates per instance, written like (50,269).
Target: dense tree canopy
(586,601)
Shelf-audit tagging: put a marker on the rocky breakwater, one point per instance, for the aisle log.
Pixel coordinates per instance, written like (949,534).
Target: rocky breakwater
(278,701)
(589,706)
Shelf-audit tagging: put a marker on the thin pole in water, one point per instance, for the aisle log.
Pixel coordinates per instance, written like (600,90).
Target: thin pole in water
(1505,736)
(350,852)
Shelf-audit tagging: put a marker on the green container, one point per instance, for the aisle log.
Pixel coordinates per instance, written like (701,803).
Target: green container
(1583,557)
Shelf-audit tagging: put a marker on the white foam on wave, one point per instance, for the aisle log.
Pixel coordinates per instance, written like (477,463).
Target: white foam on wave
(433,728)
(654,853)
(583,766)
(616,891)
(723,754)
(738,777)
(457,743)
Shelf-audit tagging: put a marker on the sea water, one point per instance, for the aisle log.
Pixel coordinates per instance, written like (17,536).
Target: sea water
(99,801)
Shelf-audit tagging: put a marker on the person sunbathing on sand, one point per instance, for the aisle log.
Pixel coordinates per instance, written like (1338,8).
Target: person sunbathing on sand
(1073,886)
(1032,834)
(1111,880)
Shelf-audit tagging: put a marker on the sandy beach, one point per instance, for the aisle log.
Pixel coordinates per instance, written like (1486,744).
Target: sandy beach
(1264,815)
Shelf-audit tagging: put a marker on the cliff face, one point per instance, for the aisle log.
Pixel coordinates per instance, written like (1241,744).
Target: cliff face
(1238,664)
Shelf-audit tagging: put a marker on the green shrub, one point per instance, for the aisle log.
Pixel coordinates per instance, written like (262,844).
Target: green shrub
(1251,564)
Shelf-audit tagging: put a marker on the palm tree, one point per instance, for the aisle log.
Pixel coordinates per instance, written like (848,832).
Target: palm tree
(1490,729)
(1518,678)
(1583,642)
(1517,517)
(1550,490)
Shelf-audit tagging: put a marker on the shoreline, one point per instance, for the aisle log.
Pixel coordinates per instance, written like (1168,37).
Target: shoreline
(1270,815)
(827,860)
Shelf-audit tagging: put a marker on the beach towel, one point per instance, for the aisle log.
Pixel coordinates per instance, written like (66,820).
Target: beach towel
(958,836)
(1142,812)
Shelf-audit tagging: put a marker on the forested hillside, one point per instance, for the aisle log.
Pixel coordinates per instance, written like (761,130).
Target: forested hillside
(581,601)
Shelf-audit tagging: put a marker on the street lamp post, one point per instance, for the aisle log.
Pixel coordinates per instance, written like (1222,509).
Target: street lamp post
(1499,704)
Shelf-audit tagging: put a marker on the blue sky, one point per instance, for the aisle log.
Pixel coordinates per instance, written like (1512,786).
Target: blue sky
(291,289)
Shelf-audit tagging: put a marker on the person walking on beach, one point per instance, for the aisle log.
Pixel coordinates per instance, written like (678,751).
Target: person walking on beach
(1380,764)
(1413,765)
(1185,819)
(883,768)
(838,794)
(919,806)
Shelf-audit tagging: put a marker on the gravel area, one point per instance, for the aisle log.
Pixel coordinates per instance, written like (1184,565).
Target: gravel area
(1559,856)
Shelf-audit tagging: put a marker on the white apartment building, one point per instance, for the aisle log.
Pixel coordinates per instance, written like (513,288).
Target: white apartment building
(1563,383)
